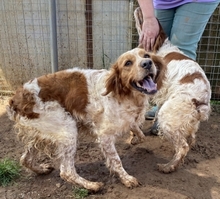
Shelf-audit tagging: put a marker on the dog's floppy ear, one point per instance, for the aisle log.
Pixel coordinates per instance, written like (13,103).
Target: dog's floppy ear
(113,82)
(139,22)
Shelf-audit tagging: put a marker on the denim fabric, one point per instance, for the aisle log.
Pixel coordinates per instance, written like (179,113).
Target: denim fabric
(184,25)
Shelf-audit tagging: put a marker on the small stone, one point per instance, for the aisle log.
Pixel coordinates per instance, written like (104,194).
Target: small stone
(214,126)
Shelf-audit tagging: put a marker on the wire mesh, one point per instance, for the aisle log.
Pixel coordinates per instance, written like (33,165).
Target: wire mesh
(90,34)
(24,40)
(209,53)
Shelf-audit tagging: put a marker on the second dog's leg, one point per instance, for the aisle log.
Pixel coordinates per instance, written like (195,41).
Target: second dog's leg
(181,150)
(113,161)
(137,136)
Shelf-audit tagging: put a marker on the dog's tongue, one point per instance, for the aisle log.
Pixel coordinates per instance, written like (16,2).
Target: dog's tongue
(149,85)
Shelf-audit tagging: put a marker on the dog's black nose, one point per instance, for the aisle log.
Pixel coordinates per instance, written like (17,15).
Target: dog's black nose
(146,64)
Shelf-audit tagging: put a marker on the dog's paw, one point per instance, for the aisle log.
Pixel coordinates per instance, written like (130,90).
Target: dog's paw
(130,181)
(45,168)
(95,186)
(166,168)
(137,140)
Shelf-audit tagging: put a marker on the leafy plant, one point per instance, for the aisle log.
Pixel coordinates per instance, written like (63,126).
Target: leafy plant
(9,170)
(80,193)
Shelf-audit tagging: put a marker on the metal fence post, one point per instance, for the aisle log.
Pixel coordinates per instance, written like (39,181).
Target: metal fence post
(53,35)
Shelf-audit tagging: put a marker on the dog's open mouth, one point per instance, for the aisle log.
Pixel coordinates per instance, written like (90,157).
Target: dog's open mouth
(146,85)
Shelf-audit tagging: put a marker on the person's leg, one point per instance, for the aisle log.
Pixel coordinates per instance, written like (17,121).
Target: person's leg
(188,25)
(165,18)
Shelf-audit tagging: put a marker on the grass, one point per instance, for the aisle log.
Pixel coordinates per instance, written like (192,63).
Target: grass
(9,170)
(215,106)
(215,102)
(80,193)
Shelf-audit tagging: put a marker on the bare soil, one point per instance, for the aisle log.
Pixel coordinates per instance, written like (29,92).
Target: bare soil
(198,178)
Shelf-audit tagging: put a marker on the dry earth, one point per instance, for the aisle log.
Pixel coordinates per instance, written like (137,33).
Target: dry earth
(198,178)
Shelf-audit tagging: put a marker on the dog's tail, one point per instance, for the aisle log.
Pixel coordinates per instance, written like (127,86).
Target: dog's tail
(204,109)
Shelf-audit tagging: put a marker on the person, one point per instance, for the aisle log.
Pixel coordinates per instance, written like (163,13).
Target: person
(183,21)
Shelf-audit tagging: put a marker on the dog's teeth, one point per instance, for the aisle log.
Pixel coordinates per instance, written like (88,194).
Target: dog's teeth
(138,84)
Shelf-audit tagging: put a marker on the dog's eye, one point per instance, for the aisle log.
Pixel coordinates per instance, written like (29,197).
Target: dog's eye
(128,63)
(146,56)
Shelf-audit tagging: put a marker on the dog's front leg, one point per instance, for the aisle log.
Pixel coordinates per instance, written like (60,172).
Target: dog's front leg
(137,136)
(113,161)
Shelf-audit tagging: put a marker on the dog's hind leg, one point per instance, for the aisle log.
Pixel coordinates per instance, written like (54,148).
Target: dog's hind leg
(68,170)
(178,124)
(28,160)
(181,150)
(67,151)
(113,161)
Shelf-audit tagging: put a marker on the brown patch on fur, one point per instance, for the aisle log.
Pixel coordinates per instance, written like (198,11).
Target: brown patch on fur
(175,56)
(69,89)
(189,78)
(198,103)
(22,103)
(161,67)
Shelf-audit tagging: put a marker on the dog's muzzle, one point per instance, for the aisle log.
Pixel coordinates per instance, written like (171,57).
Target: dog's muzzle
(147,85)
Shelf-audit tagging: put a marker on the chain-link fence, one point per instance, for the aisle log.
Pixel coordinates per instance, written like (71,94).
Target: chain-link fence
(89,34)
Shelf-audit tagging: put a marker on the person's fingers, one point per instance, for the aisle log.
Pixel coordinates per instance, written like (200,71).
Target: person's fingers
(150,30)
(148,44)
(152,42)
(143,41)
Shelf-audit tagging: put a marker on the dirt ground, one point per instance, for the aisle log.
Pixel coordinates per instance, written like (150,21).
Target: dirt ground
(198,178)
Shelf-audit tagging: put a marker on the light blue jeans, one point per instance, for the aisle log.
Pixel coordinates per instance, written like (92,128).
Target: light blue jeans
(184,25)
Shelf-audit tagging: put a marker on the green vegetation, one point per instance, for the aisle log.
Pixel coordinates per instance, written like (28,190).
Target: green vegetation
(80,193)
(215,106)
(9,170)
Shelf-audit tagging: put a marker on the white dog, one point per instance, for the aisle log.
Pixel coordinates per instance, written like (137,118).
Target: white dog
(51,110)
(183,98)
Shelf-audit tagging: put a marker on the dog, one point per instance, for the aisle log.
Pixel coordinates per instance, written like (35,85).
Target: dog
(183,99)
(50,111)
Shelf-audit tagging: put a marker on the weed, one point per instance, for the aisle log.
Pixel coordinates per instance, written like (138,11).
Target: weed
(80,193)
(215,106)
(9,170)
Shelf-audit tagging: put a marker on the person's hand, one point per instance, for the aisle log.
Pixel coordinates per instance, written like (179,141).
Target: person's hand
(150,30)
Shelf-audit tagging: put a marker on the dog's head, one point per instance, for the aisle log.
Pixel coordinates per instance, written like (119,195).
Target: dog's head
(135,70)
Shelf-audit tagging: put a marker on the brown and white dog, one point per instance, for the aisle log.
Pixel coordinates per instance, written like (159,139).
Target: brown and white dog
(183,99)
(50,111)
